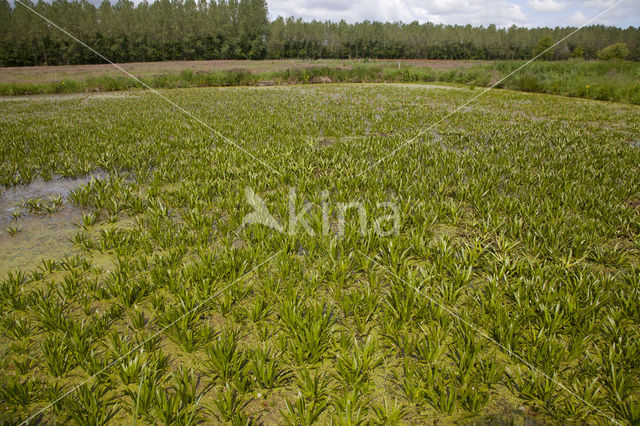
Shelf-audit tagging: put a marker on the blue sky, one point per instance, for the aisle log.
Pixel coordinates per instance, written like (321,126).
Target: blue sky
(530,13)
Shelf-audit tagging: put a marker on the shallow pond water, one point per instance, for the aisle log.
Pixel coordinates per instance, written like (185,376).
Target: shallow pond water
(69,96)
(11,197)
(38,236)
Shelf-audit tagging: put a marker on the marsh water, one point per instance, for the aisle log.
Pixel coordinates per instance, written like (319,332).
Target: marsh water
(38,236)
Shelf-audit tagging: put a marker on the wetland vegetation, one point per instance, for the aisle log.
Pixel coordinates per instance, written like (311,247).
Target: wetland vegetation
(510,292)
(615,81)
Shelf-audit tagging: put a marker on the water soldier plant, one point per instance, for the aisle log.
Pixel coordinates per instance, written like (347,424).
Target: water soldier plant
(520,215)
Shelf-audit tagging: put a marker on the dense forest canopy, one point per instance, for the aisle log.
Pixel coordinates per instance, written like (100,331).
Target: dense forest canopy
(240,29)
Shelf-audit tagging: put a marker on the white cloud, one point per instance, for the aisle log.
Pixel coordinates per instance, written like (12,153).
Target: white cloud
(475,12)
(503,13)
(622,14)
(577,19)
(599,4)
(546,5)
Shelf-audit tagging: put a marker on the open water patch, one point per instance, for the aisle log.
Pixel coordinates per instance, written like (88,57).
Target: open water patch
(26,238)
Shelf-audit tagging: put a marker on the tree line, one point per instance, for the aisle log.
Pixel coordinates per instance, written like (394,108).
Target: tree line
(241,29)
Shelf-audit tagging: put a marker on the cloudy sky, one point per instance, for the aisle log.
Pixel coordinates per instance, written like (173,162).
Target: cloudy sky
(531,13)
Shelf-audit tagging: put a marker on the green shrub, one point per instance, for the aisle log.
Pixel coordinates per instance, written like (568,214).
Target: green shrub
(577,52)
(541,48)
(634,96)
(187,75)
(615,51)
(604,92)
(528,82)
